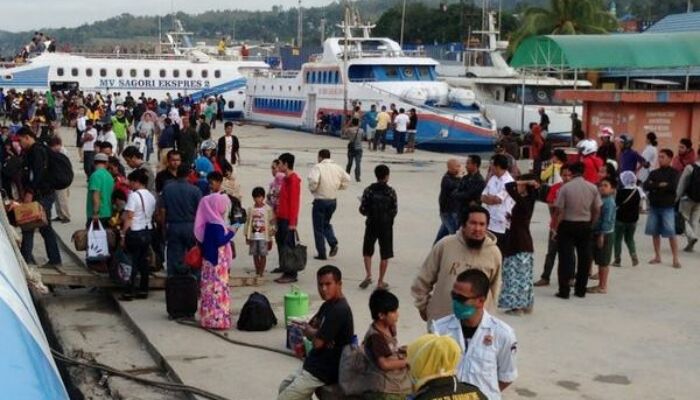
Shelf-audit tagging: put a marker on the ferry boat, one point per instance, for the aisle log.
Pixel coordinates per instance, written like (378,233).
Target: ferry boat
(188,71)
(27,368)
(370,70)
(499,88)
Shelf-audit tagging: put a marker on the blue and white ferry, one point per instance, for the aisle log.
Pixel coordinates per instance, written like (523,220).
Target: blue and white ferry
(27,368)
(370,70)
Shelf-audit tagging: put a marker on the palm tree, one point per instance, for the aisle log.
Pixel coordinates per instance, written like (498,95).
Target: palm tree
(565,17)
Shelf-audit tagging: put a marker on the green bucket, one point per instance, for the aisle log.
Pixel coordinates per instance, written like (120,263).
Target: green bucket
(296,304)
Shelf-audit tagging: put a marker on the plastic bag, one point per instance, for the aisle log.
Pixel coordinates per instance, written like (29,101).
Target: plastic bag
(98,245)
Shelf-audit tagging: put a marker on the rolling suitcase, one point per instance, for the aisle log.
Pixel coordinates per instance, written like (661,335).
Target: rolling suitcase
(181,294)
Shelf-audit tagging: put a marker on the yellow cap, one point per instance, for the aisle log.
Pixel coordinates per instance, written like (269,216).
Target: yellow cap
(432,356)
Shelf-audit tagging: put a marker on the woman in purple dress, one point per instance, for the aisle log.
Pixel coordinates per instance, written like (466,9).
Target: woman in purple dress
(212,232)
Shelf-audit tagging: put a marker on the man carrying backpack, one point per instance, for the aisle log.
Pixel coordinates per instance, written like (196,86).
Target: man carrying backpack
(688,193)
(38,188)
(379,205)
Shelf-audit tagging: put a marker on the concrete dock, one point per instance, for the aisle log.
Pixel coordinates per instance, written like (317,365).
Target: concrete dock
(638,341)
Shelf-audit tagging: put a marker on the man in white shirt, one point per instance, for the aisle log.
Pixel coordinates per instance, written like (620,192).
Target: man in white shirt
(489,345)
(87,141)
(80,127)
(325,179)
(400,128)
(108,135)
(497,200)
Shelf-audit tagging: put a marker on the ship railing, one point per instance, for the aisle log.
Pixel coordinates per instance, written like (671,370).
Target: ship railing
(384,53)
(149,56)
(287,74)
(437,110)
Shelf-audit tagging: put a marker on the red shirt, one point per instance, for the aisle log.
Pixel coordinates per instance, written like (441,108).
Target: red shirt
(552,197)
(290,197)
(591,164)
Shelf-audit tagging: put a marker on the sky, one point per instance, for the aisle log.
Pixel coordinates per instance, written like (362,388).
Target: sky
(25,15)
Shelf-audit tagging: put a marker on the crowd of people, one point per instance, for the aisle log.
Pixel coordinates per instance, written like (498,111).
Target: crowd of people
(482,258)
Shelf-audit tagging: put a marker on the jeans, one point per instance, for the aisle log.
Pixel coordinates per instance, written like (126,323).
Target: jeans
(356,156)
(400,141)
(574,236)
(321,214)
(448,226)
(46,232)
(284,238)
(179,239)
(300,385)
(552,247)
(137,243)
(624,230)
(380,137)
(88,163)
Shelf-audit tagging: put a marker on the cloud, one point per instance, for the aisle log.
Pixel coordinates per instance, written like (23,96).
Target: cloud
(36,14)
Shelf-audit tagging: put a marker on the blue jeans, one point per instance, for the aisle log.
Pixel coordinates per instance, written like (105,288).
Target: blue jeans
(137,244)
(284,237)
(449,225)
(354,155)
(400,140)
(179,238)
(46,232)
(321,214)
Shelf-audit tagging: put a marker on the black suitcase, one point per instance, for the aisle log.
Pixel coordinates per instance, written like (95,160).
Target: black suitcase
(181,294)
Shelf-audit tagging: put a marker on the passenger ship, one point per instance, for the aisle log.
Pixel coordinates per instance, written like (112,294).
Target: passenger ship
(188,72)
(369,70)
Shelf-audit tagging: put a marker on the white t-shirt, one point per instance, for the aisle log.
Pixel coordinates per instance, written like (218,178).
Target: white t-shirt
(108,137)
(229,146)
(402,122)
(143,211)
(499,212)
(89,145)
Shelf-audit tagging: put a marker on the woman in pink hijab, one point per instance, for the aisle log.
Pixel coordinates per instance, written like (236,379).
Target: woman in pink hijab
(211,230)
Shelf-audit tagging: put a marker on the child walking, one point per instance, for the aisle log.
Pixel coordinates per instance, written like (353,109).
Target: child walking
(628,200)
(603,232)
(259,230)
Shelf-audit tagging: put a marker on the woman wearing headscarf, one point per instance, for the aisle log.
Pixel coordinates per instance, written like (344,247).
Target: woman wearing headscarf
(627,201)
(212,231)
(433,361)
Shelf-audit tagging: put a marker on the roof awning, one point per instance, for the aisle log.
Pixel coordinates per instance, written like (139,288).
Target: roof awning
(650,50)
(657,82)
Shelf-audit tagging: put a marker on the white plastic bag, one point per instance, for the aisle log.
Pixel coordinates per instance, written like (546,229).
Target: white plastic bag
(98,246)
(140,144)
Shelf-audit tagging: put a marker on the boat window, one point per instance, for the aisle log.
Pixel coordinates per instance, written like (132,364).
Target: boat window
(176,73)
(272,88)
(146,73)
(361,73)
(120,72)
(391,72)
(88,71)
(132,73)
(290,88)
(188,73)
(336,78)
(280,88)
(205,73)
(324,76)
(103,72)
(217,73)
(408,73)
(308,77)
(162,73)
(74,71)
(424,72)
(231,104)
(299,88)
(59,71)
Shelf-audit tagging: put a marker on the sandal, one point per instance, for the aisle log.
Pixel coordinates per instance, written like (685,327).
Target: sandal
(596,290)
(677,265)
(383,286)
(654,261)
(365,283)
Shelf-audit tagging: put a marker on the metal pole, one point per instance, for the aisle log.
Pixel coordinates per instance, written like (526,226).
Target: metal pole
(403,23)
(687,79)
(522,105)
(300,28)
(323,30)
(346,76)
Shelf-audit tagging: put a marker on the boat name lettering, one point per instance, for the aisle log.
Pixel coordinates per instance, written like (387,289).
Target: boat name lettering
(155,83)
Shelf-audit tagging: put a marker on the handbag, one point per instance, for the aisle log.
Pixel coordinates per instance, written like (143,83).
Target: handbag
(293,258)
(121,268)
(30,216)
(80,239)
(193,257)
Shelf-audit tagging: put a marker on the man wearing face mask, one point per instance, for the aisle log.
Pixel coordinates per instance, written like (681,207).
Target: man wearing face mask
(488,344)
(472,247)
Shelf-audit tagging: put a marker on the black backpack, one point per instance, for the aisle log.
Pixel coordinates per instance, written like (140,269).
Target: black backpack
(256,314)
(59,172)
(693,190)
(380,203)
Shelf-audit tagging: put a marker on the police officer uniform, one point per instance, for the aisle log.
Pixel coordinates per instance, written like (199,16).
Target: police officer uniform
(490,354)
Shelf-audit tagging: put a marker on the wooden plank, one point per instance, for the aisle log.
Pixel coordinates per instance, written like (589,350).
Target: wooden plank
(91,279)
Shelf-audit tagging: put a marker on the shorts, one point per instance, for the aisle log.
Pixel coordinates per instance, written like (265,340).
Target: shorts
(661,221)
(369,133)
(258,248)
(383,234)
(603,255)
